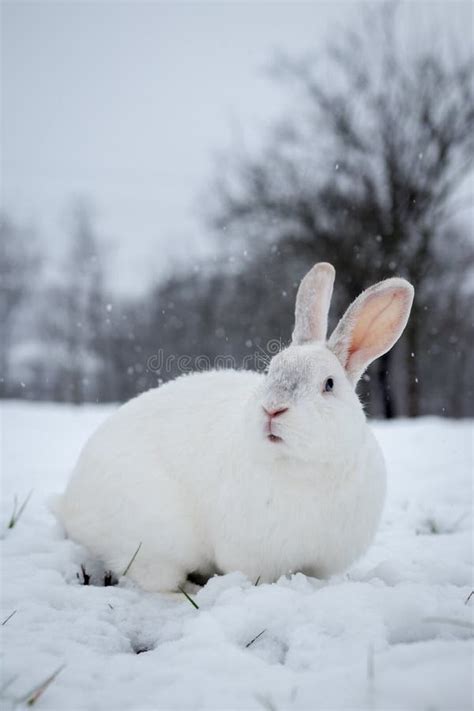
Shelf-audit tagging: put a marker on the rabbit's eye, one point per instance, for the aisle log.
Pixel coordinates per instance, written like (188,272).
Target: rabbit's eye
(329,385)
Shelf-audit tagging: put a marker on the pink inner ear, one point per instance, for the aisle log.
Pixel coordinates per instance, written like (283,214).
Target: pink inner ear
(378,324)
(372,324)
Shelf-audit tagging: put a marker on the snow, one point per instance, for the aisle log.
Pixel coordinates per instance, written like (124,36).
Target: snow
(394,632)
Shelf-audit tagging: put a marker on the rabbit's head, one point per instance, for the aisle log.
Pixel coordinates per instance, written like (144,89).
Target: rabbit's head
(307,406)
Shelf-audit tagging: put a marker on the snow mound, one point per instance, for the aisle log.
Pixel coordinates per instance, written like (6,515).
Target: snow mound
(394,632)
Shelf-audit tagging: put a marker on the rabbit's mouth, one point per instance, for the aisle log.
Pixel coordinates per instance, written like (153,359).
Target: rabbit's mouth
(271,414)
(270,434)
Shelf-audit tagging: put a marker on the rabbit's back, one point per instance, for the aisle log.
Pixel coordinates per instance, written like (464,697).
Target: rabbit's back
(165,427)
(146,473)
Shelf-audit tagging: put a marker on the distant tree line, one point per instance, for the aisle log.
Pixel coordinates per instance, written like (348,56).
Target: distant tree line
(74,341)
(365,171)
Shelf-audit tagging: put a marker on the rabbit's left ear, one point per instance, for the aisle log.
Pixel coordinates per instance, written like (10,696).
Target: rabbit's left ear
(312,304)
(372,324)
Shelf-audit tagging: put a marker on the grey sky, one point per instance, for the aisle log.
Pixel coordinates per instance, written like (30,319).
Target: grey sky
(125,102)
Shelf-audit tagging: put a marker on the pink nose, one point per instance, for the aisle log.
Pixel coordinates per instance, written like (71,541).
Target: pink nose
(275,412)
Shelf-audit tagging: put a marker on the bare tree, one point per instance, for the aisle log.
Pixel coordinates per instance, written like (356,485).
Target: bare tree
(19,264)
(75,316)
(364,171)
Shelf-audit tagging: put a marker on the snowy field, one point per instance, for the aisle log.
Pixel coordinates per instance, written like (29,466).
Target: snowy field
(394,632)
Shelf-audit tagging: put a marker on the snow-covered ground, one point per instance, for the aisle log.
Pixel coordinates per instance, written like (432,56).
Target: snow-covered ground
(394,632)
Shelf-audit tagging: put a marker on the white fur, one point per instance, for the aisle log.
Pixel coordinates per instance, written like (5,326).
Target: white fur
(188,470)
(312,304)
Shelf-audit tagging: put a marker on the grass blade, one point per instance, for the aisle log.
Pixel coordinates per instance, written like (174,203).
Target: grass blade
(8,618)
(32,697)
(193,603)
(132,559)
(15,517)
(254,639)
(11,523)
(86,578)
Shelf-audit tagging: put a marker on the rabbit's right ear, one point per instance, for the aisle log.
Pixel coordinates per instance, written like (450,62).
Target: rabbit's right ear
(312,304)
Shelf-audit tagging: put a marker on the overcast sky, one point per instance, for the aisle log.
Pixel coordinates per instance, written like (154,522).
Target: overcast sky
(126,103)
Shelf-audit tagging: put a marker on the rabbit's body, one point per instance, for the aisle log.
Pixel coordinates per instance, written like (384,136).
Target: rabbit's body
(234,470)
(168,470)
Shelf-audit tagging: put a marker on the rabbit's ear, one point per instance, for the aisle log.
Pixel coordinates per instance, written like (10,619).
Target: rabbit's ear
(312,304)
(372,324)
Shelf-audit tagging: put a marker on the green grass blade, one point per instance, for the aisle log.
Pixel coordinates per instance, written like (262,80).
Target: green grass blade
(193,603)
(15,517)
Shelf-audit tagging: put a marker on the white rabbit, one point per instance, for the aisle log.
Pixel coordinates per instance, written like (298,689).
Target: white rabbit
(233,470)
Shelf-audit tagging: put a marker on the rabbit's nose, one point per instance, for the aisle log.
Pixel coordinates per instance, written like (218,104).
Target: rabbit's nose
(275,411)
